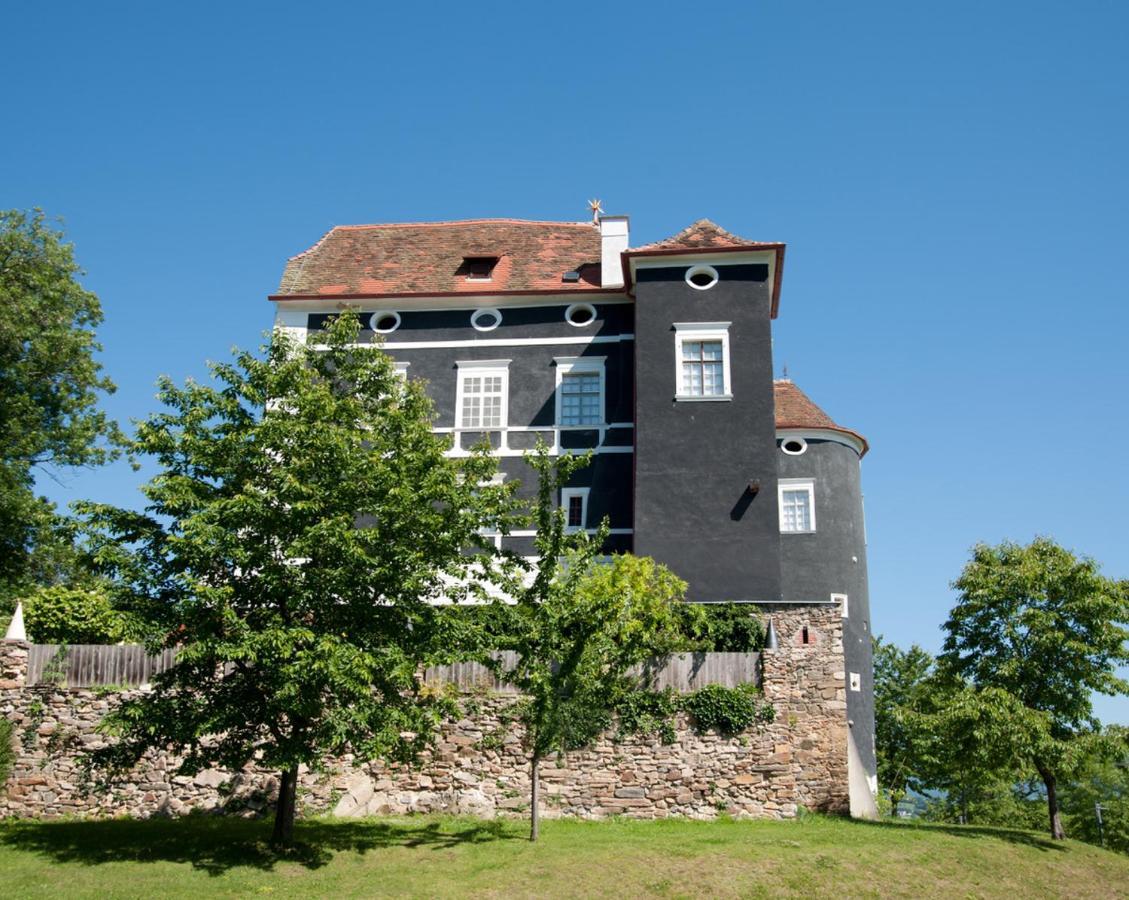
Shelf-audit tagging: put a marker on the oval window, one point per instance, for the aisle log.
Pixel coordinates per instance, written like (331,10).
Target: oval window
(485,319)
(580,314)
(701,278)
(794,446)
(385,321)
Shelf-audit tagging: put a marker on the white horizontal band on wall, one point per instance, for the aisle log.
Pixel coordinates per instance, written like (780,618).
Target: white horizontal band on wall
(504,342)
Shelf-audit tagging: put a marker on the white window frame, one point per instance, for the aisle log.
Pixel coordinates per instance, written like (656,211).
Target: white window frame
(794,484)
(566,495)
(702,331)
(475,368)
(581,365)
(843,602)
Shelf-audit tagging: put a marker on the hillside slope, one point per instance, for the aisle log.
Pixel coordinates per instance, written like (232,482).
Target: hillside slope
(430,857)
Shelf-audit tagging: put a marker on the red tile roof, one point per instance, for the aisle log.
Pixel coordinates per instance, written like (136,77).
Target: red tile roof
(795,409)
(702,235)
(423,258)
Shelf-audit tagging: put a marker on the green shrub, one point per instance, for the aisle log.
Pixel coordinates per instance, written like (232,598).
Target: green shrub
(71,615)
(7,751)
(722,627)
(728,710)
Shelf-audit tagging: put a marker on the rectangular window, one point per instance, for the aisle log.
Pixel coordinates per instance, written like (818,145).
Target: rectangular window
(797,505)
(580,399)
(580,390)
(702,375)
(482,395)
(702,358)
(575,504)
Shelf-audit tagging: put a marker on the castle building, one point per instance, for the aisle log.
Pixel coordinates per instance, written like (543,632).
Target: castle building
(657,358)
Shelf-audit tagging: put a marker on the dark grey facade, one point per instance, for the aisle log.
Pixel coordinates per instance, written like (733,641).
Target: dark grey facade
(694,476)
(831,562)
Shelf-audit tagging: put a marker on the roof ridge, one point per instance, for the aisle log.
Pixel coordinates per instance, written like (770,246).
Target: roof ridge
(441,224)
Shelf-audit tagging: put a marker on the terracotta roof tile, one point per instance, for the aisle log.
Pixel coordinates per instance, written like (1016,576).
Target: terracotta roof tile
(424,258)
(702,235)
(795,409)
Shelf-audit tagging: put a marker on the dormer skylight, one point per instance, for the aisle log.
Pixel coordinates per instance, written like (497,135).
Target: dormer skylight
(478,268)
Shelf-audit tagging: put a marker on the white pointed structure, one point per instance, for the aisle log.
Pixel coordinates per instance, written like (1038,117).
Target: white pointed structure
(16,630)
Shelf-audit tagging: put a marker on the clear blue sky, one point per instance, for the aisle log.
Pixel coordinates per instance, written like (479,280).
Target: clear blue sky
(951,180)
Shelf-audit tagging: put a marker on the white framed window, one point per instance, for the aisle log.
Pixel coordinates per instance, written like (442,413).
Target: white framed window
(574,502)
(843,602)
(580,390)
(701,357)
(797,505)
(701,278)
(483,394)
(384,321)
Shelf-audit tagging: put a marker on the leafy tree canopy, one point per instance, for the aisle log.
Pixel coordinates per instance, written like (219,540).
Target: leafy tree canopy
(580,625)
(302,524)
(1045,628)
(50,385)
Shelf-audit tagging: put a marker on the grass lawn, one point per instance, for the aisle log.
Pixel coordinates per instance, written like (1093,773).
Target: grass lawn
(445,857)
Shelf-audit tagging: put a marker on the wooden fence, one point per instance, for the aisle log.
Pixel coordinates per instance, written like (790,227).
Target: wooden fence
(683,672)
(87,665)
(127,665)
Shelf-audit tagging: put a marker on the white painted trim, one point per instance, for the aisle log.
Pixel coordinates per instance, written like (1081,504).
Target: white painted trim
(469,364)
(293,322)
(504,342)
(474,368)
(821,434)
(702,331)
(485,311)
(531,532)
(580,365)
(794,484)
(579,306)
(445,304)
(843,602)
(790,439)
(380,313)
(702,270)
(719,260)
(566,496)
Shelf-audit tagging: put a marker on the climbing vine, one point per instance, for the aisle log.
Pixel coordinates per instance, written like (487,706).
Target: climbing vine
(727,711)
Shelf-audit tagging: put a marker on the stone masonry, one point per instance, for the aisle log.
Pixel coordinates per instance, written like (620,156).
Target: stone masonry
(477,765)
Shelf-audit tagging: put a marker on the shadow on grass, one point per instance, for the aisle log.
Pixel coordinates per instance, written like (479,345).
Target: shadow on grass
(1011,835)
(216,845)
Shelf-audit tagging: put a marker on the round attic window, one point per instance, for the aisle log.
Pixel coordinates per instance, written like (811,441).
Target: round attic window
(580,314)
(701,278)
(385,321)
(485,319)
(794,446)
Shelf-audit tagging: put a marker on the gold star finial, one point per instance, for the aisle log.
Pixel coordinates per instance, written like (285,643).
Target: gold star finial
(596,208)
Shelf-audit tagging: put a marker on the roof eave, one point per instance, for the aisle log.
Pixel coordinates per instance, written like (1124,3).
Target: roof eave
(409,294)
(776,248)
(863,446)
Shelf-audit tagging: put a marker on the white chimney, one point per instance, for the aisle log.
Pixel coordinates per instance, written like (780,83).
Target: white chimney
(613,241)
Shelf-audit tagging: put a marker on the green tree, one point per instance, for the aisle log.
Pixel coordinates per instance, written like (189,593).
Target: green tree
(303,522)
(1102,779)
(1046,628)
(901,693)
(50,385)
(579,627)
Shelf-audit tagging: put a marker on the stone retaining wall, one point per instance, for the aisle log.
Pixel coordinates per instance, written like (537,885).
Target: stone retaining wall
(478,765)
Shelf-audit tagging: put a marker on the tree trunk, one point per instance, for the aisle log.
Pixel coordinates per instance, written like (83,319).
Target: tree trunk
(535,798)
(1058,833)
(283,835)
